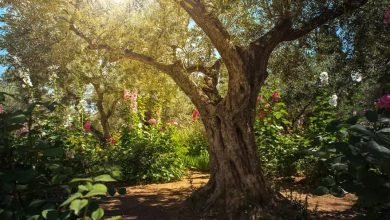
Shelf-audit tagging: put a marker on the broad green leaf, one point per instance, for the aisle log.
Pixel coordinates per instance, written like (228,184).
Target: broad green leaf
(375,148)
(82,188)
(362,130)
(97,190)
(104,178)
(77,205)
(384,130)
(71,198)
(97,214)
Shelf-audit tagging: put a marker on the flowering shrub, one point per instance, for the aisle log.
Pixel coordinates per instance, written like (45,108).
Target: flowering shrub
(384,102)
(278,148)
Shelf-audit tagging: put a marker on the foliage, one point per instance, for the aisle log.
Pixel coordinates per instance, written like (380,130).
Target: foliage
(277,146)
(361,159)
(147,154)
(192,139)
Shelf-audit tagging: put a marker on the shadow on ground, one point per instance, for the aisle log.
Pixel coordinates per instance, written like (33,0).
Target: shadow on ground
(167,201)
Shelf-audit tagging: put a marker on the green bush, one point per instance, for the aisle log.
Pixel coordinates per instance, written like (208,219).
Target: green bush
(192,139)
(278,148)
(361,162)
(149,155)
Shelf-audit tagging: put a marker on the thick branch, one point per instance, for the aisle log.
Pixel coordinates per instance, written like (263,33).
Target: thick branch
(175,71)
(284,31)
(123,53)
(326,15)
(209,23)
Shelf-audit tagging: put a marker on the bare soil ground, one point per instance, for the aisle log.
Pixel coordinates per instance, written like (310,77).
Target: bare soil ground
(166,201)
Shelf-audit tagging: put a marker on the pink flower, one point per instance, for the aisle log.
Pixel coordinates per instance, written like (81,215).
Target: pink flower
(275,96)
(152,121)
(87,126)
(1,109)
(195,115)
(384,101)
(387,15)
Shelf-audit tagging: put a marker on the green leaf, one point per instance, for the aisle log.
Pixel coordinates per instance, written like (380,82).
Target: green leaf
(377,149)
(362,130)
(81,180)
(82,188)
(384,130)
(97,214)
(50,214)
(104,178)
(36,203)
(77,205)
(97,190)
(71,198)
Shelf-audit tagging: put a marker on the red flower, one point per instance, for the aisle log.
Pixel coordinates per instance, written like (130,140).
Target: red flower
(275,96)
(387,15)
(195,115)
(384,101)
(262,114)
(87,126)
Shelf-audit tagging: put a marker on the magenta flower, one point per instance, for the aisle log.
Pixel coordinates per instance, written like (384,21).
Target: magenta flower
(87,126)
(384,101)
(387,15)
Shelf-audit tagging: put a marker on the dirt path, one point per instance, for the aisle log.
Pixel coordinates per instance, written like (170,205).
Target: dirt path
(166,201)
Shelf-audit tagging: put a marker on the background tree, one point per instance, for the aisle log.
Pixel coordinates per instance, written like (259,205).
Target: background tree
(148,34)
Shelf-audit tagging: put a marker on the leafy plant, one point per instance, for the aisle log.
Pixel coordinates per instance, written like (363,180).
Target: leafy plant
(361,164)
